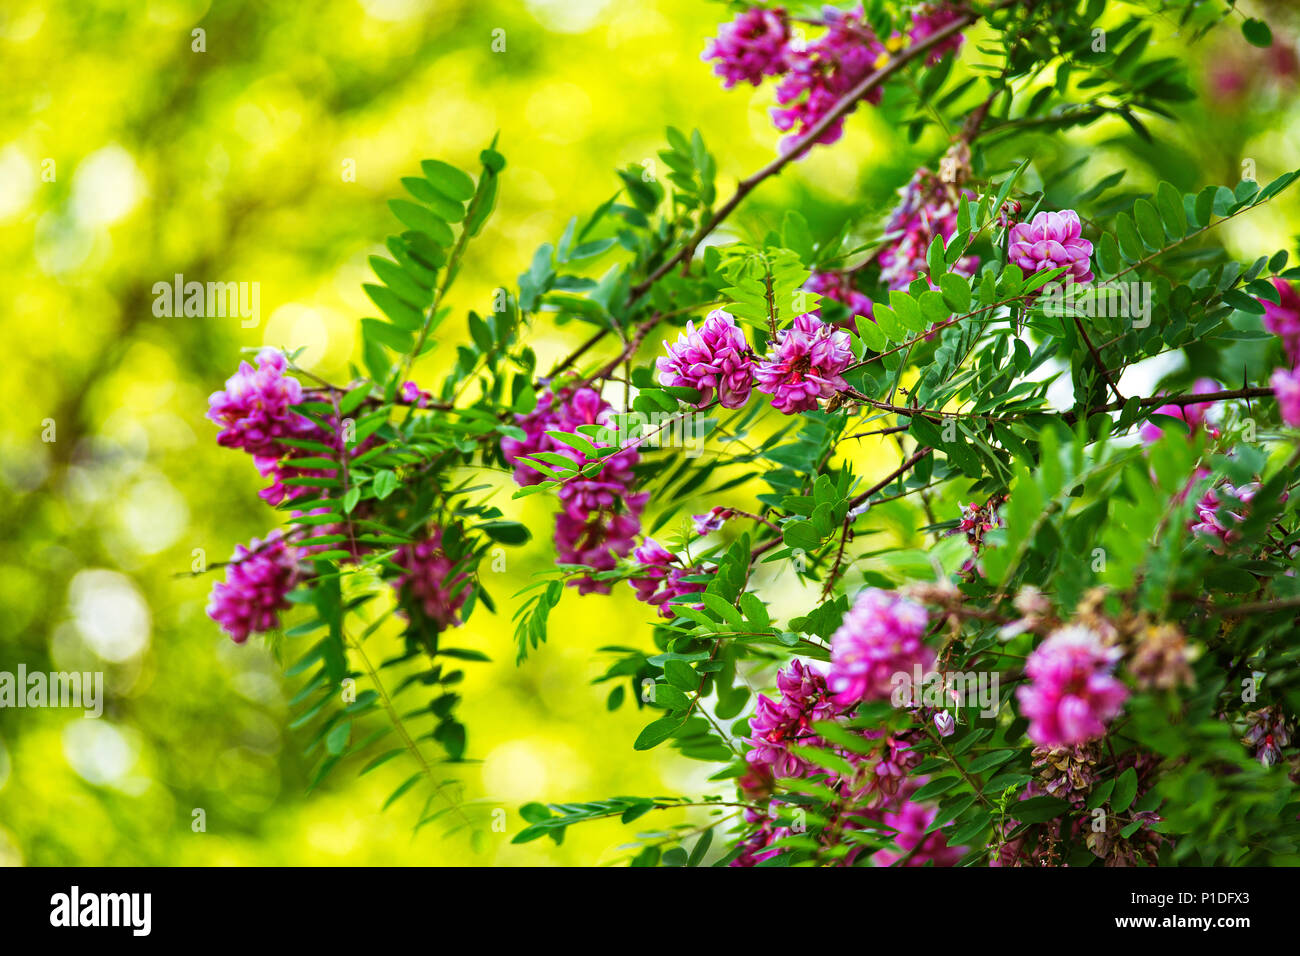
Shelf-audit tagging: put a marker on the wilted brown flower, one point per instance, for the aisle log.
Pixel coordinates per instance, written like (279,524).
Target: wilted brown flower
(1160,658)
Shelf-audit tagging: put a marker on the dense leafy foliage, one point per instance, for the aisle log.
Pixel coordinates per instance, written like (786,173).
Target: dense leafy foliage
(1107,623)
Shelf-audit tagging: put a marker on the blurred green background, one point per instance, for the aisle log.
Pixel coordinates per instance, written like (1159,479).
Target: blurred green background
(127,157)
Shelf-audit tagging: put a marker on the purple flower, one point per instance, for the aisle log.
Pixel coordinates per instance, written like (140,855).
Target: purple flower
(822,73)
(910,820)
(1195,414)
(661,577)
(252,596)
(930,19)
(430,581)
(750,47)
(714,357)
(777,724)
(253,411)
(839,286)
(1268,734)
(880,636)
(412,394)
(1286,387)
(601,515)
(283,468)
(1073,693)
(945,724)
(1282,318)
(1219,514)
(1050,240)
(596,541)
(927,208)
(713,521)
(805,366)
(551,414)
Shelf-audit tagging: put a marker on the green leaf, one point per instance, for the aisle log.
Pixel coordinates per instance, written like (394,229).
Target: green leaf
(871,335)
(669,697)
(387,334)
(507,532)
(1257,32)
(448,180)
(381,760)
(405,284)
(701,848)
(681,675)
(442,207)
(1039,809)
(353,399)
(1125,790)
(1170,204)
(1129,242)
(956,292)
(993,759)
(935,787)
(1108,254)
(656,732)
(397,794)
(800,535)
(907,309)
(385,484)
(969,830)
(422,220)
(889,323)
(337,739)
(404,315)
(1148,224)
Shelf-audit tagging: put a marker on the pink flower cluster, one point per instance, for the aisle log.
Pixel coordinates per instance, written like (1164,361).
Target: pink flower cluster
(839,286)
(977,521)
(816,76)
(429,580)
(1073,692)
(601,516)
(1220,512)
(928,208)
(716,517)
(822,73)
(881,635)
(1269,732)
(1286,388)
(916,847)
(252,596)
(283,468)
(1195,415)
(806,365)
(1050,240)
(412,394)
(750,47)
(1282,318)
(878,788)
(714,359)
(254,409)
(660,579)
(254,414)
(777,724)
(927,20)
